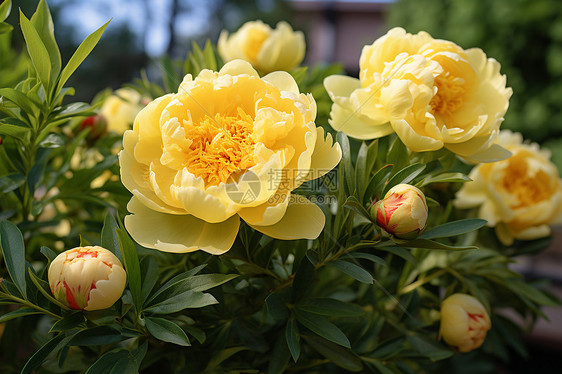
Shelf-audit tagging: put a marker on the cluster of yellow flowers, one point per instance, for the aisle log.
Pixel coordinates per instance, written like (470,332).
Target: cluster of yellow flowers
(199,160)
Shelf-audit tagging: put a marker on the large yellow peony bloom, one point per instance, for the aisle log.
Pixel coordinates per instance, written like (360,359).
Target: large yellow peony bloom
(265,48)
(431,92)
(520,196)
(228,145)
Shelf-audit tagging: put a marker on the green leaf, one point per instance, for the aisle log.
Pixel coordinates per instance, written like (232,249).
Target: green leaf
(131,262)
(428,348)
(5,27)
(321,326)
(108,361)
(18,313)
(354,204)
(48,253)
(280,357)
(204,282)
(400,252)
(373,190)
(210,58)
(5,9)
(397,155)
(453,228)
(109,237)
(345,164)
(19,99)
(365,256)
(304,278)
(184,300)
(44,288)
(330,307)
(18,132)
(43,23)
(276,307)
(340,356)
(445,178)
(41,354)
(149,271)
(69,322)
(11,242)
(430,244)
(37,51)
(11,182)
(292,338)
(353,270)
(406,175)
(166,331)
(99,335)
(80,54)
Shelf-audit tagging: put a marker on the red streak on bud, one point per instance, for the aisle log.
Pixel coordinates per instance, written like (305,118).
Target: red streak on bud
(71,301)
(88,122)
(389,205)
(470,328)
(475,316)
(87,253)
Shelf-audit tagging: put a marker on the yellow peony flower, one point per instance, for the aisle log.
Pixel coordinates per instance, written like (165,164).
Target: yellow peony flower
(464,322)
(431,92)
(265,48)
(520,196)
(228,145)
(402,212)
(120,110)
(89,278)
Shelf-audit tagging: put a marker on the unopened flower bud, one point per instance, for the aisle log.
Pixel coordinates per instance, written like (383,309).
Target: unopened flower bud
(89,278)
(97,126)
(402,212)
(464,322)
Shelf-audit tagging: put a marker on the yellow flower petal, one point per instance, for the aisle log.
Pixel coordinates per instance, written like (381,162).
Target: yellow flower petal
(179,234)
(347,121)
(302,220)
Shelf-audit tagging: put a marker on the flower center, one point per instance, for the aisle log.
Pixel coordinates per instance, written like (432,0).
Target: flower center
(450,94)
(221,146)
(528,190)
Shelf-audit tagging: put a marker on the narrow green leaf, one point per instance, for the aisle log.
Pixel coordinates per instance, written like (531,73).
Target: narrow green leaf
(361,172)
(44,288)
(108,361)
(406,175)
(397,155)
(149,271)
(37,51)
(354,204)
(340,356)
(204,282)
(184,300)
(43,23)
(276,307)
(321,326)
(5,9)
(331,307)
(353,270)
(366,256)
(292,337)
(210,58)
(80,54)
(131,262)
(17,132)
(19,99)
(10,182)
(99,335)
(453,228)
(345,163)
(11,242)
(304,278)
(69,322)
(5,27)
(48,253)
(445,178)
(430,244)
(41,354)
(18,313)
(109,237)
(280,357)
(373,190)
(428,348)
(166,331)
(400,252)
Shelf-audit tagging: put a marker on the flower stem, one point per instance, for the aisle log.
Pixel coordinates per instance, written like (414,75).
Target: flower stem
(420,282)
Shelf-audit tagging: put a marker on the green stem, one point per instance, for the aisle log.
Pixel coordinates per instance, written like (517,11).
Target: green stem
(412,286)
(30,304)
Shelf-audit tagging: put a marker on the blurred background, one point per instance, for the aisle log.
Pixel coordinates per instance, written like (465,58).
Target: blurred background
(525,36)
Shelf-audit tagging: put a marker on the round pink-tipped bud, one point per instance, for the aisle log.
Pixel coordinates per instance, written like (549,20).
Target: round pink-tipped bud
(464,322)
(402,212)
(96,124)
(89,278)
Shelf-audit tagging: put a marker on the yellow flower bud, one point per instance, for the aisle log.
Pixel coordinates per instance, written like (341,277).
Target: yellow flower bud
(265,48)
(120,110)
(464,322)
(402,212)
(89,278)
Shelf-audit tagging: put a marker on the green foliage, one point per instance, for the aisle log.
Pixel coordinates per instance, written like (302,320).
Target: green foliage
(525,36)
(353,300)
